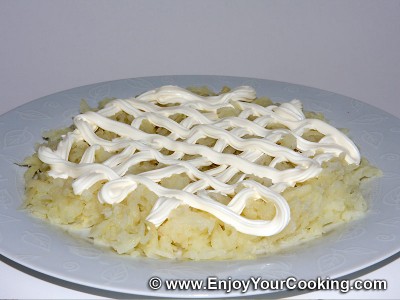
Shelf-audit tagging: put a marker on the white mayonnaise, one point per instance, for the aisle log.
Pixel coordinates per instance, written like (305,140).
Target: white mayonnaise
(135,146)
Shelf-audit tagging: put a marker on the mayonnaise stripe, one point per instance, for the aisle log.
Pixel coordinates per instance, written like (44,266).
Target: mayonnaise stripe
(200,120)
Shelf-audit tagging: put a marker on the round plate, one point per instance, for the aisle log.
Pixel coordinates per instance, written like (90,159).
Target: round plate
(47,249)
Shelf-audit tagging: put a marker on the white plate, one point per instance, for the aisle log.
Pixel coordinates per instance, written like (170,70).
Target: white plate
(43,248)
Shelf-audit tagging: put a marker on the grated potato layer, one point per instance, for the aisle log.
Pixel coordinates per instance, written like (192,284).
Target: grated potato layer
(317,205)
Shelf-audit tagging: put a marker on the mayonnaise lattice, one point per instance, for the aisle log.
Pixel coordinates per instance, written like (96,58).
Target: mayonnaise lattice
(247,132)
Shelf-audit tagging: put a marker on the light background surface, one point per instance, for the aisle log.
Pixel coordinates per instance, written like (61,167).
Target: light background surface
(348,47)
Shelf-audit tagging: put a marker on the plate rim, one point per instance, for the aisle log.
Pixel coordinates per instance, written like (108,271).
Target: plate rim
(152,293)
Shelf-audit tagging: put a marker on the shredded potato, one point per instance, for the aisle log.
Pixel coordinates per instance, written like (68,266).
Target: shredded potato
(317,206)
